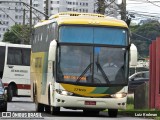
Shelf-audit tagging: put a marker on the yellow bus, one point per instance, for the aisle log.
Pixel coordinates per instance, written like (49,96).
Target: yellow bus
(80,61)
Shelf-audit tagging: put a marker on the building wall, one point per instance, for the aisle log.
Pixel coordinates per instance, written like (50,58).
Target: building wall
(56,6)
(12,13)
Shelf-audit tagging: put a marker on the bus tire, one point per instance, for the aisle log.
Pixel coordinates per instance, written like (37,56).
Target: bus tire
(39,107)
(49,96)
(112,112)
(34,92)
(47,108)
(54,110)
(5,108)
(9,93)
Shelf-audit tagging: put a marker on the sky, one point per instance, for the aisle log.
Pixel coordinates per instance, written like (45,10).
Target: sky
(143,9)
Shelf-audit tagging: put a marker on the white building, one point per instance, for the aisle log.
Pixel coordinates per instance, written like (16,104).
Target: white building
(87,6)
(56,6)
(13,13)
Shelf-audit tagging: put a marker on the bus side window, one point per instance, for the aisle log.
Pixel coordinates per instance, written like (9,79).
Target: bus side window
(14,56)
(26,52)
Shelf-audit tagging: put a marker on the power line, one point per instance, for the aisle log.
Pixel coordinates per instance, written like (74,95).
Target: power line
(34,13)
(8,15)
(146,15)
(153,3)
(146,1)
(142,37)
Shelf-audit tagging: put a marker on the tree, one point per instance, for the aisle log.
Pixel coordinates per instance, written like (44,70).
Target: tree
(18,34)
(101,7)
(142,36)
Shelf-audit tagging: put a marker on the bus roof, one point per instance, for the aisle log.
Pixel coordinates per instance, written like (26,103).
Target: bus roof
(83,19)
(14,45)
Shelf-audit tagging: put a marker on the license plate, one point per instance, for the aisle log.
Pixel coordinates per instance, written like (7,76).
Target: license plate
(90,102)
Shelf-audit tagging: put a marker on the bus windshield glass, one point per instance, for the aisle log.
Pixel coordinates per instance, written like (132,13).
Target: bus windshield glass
(96,35)
(94,63)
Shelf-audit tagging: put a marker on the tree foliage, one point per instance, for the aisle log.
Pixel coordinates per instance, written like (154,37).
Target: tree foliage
(142,36)
(18,34)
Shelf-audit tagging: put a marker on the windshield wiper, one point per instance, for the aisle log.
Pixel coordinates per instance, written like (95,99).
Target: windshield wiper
(79,78)
(103,73)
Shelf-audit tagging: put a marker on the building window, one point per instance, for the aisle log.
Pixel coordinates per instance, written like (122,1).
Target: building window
(16,17)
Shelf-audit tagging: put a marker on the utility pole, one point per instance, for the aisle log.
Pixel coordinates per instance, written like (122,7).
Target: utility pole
(47,6)
(30,20)
(24,16)
(123,10)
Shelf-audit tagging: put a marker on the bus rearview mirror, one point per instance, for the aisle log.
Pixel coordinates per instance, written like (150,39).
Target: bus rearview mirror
(52,51)
(133,56)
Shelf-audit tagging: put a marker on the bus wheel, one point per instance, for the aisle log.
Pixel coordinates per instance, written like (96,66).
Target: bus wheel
(9,93)
(5,108)
(54,110)
(34,92)
(39,107)
(112,112)
(47,109)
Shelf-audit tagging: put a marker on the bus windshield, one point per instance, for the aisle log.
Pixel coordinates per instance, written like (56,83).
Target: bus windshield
(96,35)
(92,63)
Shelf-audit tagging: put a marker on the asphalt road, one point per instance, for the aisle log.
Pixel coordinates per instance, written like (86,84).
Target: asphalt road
(24,105)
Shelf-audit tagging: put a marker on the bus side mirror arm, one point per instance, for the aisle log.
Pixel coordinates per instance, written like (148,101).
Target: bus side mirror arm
(52,51)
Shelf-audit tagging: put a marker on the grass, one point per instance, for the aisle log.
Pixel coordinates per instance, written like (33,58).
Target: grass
(130,111)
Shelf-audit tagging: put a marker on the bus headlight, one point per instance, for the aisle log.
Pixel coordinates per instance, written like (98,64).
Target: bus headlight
(64,92)
(119,95)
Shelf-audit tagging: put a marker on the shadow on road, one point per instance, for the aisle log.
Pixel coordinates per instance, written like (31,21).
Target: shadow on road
(75,114)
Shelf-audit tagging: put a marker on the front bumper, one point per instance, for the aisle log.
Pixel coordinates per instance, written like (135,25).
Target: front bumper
(79,102)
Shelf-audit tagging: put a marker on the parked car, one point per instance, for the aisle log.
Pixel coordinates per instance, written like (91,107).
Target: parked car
(3,97)
(137,79)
